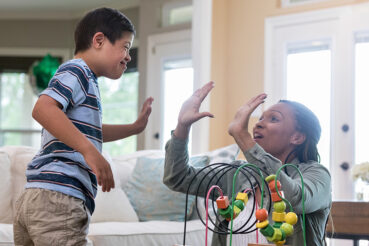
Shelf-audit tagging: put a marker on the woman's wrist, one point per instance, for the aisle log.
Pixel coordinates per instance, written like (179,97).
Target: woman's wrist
(182,131)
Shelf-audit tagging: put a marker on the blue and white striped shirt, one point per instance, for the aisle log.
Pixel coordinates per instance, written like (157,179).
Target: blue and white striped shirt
(56,166)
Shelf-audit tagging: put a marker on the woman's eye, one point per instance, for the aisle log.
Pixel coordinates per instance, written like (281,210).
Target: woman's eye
(274,119)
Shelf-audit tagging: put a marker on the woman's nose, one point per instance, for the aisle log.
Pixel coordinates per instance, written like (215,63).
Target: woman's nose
(259,124)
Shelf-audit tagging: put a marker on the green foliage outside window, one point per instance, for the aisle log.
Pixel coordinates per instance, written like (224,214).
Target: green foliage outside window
(119,104)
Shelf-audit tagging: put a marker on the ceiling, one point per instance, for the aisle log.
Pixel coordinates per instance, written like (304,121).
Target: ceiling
(56,9)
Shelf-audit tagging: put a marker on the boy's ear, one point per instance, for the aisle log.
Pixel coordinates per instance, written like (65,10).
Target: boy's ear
(98,40)
(298,138)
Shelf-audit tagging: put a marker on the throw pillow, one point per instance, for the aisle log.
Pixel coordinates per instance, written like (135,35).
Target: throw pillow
(113,205)
(225,154)
(150,198)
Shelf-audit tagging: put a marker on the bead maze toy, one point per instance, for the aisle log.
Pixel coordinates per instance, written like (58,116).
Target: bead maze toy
(229,208)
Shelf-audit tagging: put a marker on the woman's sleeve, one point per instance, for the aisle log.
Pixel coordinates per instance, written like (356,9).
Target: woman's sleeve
(317,181)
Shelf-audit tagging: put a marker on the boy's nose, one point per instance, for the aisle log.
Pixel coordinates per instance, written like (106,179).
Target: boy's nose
(128,58)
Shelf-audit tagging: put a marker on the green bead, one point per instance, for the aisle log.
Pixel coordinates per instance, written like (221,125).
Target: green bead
(287,228)
(239,204)
(226,213)
(267,231)
(279,207)
(277,224)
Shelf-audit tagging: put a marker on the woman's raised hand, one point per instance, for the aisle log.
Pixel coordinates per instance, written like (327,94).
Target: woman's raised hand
(189,112)
(238,128)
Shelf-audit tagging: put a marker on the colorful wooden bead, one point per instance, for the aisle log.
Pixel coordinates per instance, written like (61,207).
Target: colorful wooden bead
(272,185)
(279,206)
(261,214)
(267,231)
(291,218)
(262,224)
(222,202)
(242,197)
(287,228)
(239,204)
(278,217)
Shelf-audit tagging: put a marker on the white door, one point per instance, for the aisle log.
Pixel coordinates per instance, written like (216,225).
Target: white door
(170,82)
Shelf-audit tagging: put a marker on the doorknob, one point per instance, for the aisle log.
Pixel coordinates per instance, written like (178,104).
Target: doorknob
(345,128)
(156,135)
(345,166)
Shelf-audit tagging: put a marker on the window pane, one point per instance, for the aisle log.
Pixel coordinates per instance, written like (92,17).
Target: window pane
(309,82)
(119,102)
(361,111)
(178,86)
(17,127)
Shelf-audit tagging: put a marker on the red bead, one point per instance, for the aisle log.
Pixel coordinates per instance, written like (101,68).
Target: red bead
(261,214)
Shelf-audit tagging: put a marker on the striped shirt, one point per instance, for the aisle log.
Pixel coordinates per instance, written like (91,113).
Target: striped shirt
(56,166)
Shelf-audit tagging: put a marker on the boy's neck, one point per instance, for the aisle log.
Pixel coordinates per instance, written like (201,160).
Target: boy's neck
(87,58)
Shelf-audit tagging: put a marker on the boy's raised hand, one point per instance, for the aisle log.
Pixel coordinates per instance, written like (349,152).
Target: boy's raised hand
(189,112)
(143,117)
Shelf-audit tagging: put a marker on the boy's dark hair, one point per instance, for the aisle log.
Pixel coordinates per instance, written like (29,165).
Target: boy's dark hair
(308,124)
(109,21)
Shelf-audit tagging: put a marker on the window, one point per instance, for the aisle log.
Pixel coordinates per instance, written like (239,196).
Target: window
(309,73)
(119,105)
(178,86)
(178,12)
(17,99)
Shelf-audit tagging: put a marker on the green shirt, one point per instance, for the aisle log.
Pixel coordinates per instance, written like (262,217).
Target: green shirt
(317,187)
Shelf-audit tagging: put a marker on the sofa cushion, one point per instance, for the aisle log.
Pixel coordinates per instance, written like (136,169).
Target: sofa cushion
(113,205)
(19,157)
(147,233)
(150,198)
(126,163)
(5,189)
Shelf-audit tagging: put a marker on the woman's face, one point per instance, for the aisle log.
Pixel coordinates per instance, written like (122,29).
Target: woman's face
(276,131)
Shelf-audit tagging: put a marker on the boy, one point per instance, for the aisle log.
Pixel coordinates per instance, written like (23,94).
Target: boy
(56,206)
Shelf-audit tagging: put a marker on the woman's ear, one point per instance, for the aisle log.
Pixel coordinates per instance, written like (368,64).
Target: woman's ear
(98,40)
(298,138)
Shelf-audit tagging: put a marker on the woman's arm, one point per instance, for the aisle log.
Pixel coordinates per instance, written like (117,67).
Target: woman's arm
(177,173)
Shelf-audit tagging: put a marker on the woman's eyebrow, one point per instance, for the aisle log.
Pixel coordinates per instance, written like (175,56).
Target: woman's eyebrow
(278,112)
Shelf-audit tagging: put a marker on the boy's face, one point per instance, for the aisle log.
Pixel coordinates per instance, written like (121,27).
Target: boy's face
(116,56)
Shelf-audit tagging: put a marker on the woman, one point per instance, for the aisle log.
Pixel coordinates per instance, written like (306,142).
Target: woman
(287,132)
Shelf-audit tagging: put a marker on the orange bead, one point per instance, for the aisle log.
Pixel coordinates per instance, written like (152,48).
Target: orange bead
(272,185)
(261,214)
(275,197)
(222,202)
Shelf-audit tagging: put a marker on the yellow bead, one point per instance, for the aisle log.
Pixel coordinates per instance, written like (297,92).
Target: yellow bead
(280,243)
(279,217)
(262,224)
(291,218)
(243,197)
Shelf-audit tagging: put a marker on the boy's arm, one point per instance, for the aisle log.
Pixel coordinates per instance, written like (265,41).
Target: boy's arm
(116,132)
(48,113)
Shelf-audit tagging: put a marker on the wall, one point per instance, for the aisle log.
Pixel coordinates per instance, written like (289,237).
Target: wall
(238,55)
(33,33)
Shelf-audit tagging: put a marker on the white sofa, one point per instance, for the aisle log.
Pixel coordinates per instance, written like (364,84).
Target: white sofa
(114,221)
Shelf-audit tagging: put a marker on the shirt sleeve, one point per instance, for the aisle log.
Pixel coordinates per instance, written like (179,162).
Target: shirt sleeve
(316,178)
(68,87)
